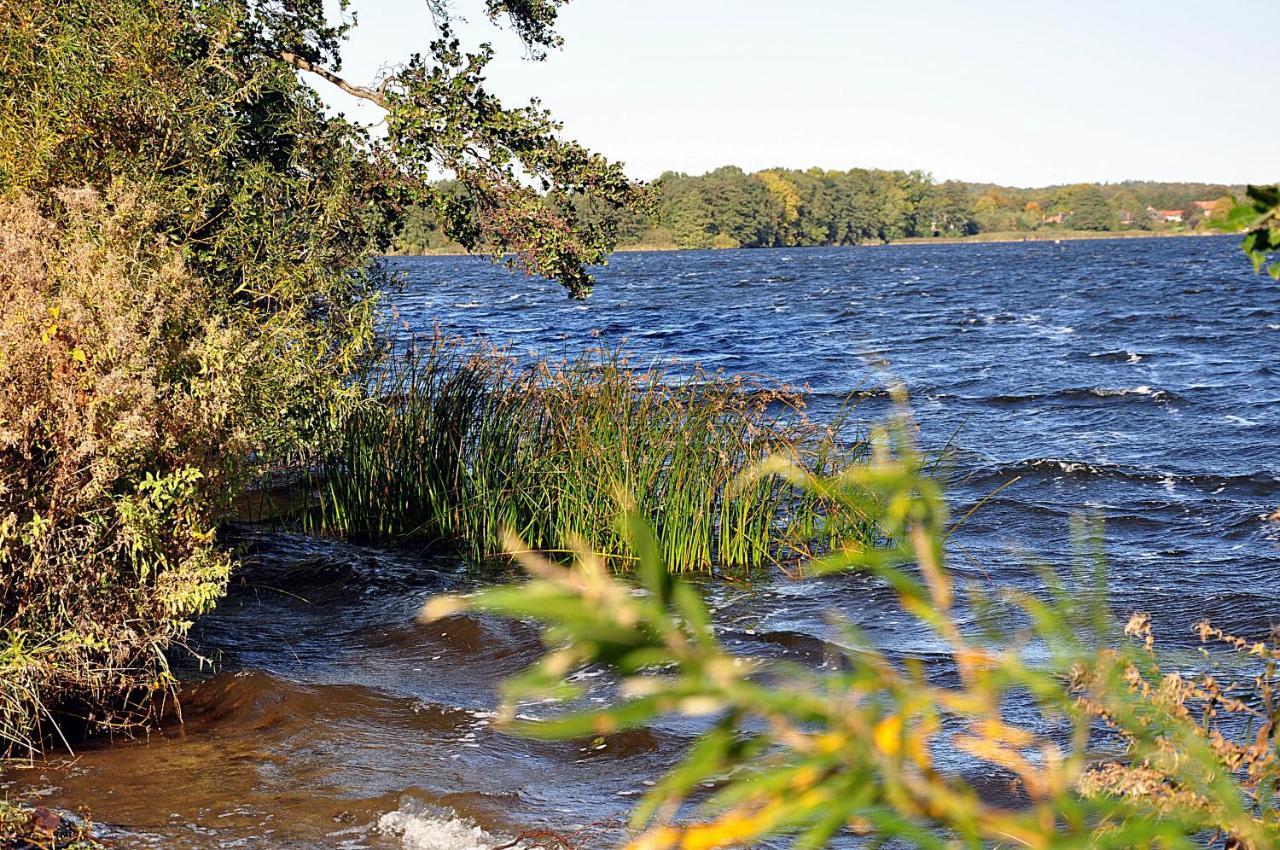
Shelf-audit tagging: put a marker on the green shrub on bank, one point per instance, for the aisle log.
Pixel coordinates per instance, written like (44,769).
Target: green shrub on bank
(1115,749)
(184,239)
(119,405)
(188,243)
(460,443)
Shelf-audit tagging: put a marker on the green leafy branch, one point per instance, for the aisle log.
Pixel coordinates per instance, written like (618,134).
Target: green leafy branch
(1259,216)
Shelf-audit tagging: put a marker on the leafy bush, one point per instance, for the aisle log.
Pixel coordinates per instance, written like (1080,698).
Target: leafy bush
(204,292)
(119,418)
(1114,749)
(457,443)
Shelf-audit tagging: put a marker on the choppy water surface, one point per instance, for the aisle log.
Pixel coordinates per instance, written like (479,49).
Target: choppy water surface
(1127,380)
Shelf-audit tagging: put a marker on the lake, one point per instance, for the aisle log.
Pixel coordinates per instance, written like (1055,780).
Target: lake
(1129,381)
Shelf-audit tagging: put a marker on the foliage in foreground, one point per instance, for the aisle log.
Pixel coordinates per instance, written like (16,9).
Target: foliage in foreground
(1259,216)
(457,443)
(1110,748)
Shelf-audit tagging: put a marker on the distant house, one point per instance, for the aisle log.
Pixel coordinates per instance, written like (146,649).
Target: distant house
(1056,218)
(1205,207)
(1165,215)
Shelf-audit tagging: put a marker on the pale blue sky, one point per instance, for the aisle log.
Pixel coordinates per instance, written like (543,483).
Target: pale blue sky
(1020,92)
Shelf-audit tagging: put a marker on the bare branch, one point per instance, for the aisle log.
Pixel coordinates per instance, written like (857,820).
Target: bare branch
(371,95)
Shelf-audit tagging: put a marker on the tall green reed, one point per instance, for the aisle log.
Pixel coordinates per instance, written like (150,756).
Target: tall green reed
(460,443)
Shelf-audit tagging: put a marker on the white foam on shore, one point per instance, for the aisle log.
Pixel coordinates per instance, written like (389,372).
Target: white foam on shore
(425,831)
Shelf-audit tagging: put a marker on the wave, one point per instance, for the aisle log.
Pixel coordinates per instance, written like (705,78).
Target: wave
(868,393)
(1141,391)
(1120,356)
(271,708)
(435,830)
(316,569)
(1260,482)
(1095,395)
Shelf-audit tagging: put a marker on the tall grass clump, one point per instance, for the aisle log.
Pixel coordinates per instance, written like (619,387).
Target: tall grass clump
(1053,727)
(460,443)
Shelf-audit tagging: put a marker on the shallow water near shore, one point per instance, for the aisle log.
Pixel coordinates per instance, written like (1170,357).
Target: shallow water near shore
(1130,381)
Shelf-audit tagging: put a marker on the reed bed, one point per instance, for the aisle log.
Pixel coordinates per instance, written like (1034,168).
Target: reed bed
(458,443)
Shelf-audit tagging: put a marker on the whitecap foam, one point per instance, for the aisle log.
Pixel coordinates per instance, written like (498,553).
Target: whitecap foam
(1120,391)
(435,831)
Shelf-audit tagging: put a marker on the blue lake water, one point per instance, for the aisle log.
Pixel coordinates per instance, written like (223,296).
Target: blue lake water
(1126,380)
(1129,381)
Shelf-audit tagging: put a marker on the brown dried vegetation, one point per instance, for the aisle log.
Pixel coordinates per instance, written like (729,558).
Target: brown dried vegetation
(117,411)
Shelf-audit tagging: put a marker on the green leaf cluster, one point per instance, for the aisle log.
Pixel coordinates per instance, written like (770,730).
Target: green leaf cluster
(1259,216)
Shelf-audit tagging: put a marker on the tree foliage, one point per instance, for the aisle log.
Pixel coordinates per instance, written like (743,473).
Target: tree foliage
(778,207)
(1090,211)
(188,275)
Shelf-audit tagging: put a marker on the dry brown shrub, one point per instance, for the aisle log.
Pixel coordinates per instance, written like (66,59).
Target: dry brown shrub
(118,385)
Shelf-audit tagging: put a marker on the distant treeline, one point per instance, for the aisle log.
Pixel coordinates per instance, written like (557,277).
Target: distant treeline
(729,208)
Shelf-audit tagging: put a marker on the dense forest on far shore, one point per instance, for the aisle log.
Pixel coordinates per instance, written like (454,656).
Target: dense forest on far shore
(729,208)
